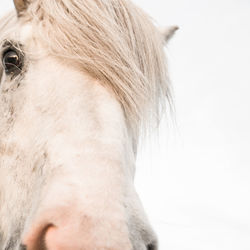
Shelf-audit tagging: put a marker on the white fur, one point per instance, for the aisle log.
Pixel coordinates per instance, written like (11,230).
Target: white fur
(69,148)
(67,144)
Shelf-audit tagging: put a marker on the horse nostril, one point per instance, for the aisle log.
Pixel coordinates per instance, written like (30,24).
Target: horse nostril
(152,246)
(36,239)
(22,247)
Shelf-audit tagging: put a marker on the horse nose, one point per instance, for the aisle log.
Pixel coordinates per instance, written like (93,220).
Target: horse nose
(72,231)
(50,238)
(58,238)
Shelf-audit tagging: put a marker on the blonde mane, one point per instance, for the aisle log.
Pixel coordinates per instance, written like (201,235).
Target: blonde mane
(115,42)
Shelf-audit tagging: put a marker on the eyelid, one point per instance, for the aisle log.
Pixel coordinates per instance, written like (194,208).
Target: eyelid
(11,45)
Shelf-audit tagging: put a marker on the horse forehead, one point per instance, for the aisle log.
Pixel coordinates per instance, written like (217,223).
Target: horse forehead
(19,32)
(25,31)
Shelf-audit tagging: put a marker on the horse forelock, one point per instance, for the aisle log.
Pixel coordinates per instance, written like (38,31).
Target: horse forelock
(113,41)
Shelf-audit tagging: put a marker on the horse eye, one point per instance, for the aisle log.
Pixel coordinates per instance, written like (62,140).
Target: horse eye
(12,62)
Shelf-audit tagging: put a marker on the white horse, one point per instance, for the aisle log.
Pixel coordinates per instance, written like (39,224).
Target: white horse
(80,81)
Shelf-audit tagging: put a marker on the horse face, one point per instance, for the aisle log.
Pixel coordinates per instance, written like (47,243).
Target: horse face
(66,158)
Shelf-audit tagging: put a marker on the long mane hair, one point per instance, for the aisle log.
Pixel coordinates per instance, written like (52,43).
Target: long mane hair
(113,41)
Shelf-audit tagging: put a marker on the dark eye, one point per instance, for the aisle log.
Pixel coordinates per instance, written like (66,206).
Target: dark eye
(12,62)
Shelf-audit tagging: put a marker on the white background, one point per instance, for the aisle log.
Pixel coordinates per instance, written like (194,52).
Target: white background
(195,182)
